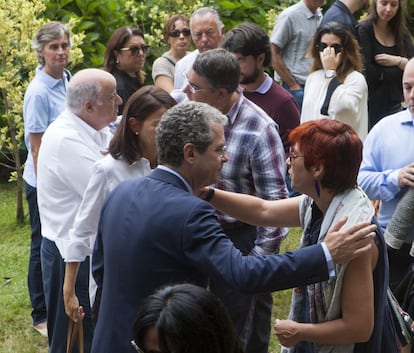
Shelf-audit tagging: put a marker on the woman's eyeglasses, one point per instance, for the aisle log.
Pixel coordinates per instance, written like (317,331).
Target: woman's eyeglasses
(176,33)
(337,47)
(293,155)
(137,48)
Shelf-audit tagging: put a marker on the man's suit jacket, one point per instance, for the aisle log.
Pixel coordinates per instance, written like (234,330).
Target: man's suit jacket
(154,232)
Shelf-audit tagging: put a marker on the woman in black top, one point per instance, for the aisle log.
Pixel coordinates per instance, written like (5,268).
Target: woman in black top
(125,58)
(386,46)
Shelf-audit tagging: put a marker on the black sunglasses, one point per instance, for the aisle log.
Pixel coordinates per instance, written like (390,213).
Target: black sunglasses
(136,49)
(176,33)
(337,47)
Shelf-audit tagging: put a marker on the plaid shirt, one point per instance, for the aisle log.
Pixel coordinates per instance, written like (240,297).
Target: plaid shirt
(256,165)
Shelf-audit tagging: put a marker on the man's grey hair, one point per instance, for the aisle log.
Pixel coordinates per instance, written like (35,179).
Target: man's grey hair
(50,31)
(184,123)
(204,11)
(80,92)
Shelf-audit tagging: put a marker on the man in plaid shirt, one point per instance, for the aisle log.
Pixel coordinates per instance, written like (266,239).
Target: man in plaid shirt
(256,166)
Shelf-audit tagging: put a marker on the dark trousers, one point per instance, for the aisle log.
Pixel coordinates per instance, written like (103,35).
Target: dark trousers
(53,268)
(251,314)
(34,276)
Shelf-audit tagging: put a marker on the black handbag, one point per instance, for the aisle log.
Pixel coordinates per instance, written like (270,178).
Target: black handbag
(403,322)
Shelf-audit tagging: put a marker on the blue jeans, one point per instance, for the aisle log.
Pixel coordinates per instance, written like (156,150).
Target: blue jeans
(297,94)
(34,276)
(53,268)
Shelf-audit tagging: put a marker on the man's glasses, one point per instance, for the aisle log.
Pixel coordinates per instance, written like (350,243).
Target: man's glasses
(221,151)
(176,32)
(293,155)
(337,47)
(192,87)
(137,48)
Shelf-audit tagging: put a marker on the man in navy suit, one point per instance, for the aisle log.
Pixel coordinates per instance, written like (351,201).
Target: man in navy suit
(154,231)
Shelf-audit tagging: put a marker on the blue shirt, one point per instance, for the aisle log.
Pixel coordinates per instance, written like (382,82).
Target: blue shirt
(44,100)
(388,148)
(338,12)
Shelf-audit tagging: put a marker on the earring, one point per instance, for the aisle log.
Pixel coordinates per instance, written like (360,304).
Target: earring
(136,133)
(117,61)
(317,188)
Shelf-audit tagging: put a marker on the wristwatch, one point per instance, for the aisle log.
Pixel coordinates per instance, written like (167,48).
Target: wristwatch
(330,73)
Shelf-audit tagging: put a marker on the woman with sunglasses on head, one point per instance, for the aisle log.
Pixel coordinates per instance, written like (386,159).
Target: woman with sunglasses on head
(125,58)
(347,313)
(178,36)
(387,46)
(335,87)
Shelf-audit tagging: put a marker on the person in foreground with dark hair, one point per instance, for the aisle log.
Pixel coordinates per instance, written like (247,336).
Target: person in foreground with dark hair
(347,313)
(154,231)
(184,318)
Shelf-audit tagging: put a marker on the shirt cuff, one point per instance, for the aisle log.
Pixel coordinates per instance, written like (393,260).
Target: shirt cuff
(329,261)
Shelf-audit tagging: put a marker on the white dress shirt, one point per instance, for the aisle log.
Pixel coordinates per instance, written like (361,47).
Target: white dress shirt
(182,67)
(69,149)
(107,174)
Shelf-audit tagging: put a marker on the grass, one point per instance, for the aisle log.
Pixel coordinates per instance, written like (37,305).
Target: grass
(16,332)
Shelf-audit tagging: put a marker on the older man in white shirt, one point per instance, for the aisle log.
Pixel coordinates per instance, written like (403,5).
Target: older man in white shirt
(70,147)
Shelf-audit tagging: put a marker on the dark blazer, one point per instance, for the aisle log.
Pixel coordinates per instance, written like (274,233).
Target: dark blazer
(154,232)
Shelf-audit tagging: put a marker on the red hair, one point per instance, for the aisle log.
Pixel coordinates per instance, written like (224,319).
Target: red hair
(333,144)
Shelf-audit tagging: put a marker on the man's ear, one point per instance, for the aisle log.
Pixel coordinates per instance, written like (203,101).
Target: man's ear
(89,106)
(189,152)
(222,93)
(261,58)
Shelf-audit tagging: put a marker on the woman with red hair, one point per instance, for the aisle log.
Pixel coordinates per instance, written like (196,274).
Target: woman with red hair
(348,313)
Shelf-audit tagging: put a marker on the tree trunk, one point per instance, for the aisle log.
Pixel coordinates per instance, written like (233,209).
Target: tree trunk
(19,173)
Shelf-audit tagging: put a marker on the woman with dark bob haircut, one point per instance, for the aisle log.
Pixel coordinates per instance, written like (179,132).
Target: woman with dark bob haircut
(184,318)
(349,312)
(335,87)
(132,153)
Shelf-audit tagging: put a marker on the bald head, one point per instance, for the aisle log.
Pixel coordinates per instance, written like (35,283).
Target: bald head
(408,85)
(92,96)
(90,75)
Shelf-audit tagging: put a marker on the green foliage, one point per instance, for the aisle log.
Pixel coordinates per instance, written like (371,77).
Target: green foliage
(150,16)
(96,19)
(19,20)
(16,333)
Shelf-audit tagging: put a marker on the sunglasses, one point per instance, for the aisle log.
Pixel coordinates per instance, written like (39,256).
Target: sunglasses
(337,47)
(176,33)
(136,49)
